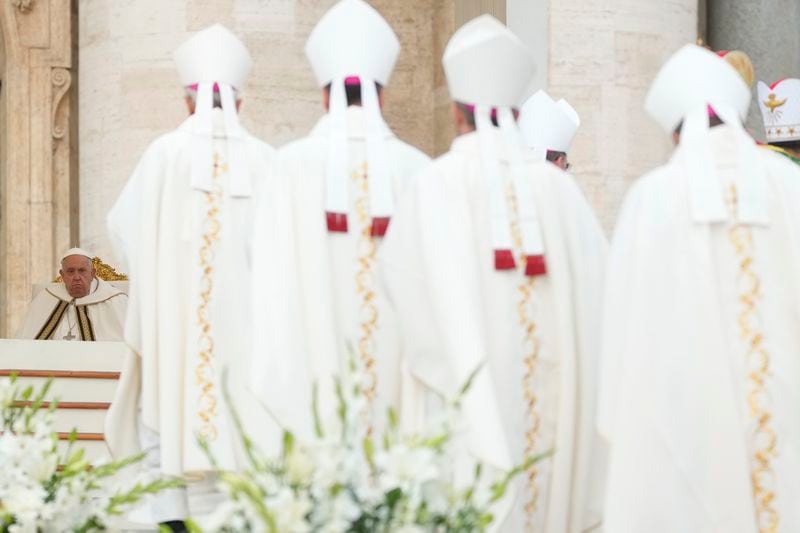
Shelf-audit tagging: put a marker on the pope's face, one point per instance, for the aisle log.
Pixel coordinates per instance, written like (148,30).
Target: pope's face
(78,273)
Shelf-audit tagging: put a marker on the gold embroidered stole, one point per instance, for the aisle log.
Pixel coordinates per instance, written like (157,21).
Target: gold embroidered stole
(52,321)
(85,328)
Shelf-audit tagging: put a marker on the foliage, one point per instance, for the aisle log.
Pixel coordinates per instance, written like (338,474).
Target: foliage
(42,490)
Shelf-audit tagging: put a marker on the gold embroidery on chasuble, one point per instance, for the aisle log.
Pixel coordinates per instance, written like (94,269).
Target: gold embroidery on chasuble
(757,365)
(84,323)
(365,283)
(52,321)
(530,359)
(204,371)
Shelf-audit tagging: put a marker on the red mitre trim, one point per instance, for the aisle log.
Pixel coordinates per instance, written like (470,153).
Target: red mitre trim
(379,226)
(723,53)
(776,83)
(337,222)
(535,265)
(504,260)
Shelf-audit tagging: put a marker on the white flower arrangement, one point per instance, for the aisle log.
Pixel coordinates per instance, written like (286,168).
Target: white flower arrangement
(42,490)
(343,482)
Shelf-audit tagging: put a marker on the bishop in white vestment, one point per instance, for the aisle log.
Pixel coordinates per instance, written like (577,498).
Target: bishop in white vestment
(80,307)
(700,397)
(181,226)
(316,239)
(494,260)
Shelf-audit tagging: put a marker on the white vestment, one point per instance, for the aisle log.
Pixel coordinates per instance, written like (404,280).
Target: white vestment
(457,312)
(314,290)
(54,314)
(189,312)
(686,302)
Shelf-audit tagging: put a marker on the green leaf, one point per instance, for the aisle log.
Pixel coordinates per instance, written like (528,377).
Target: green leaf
(315,411)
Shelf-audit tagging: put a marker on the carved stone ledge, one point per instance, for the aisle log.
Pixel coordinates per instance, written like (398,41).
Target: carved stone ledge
(61,79)
(22,5)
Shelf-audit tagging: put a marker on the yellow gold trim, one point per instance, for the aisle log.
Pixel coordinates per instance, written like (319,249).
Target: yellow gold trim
(764,438)
(52,321)
(104,271)
(530,360)
(365,284)
(204,371)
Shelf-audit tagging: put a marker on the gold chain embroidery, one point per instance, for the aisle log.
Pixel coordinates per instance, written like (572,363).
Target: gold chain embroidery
(530,360)
(365,284)
(204,372)
(758,371)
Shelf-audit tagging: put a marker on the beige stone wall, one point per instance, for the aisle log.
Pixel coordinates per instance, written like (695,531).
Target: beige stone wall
(603,56)
(130,92)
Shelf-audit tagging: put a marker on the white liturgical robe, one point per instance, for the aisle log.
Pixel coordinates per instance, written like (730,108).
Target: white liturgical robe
(316,301)
(457,312)
(189,311)
(98,316)
(700,359)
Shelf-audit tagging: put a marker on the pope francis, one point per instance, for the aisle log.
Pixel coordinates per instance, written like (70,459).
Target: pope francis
(81,307)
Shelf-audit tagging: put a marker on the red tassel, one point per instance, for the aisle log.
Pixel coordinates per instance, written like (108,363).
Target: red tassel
(504,260)
(337,222)
(535,265)
(379,226)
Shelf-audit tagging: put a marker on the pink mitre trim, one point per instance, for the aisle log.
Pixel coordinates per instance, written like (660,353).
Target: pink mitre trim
(352,80)
(194,86)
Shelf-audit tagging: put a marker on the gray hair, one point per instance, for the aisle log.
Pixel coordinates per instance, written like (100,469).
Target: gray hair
(192,93)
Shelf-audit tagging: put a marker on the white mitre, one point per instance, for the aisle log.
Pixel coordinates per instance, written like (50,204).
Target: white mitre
(214,59)
(76,251)
(694,78)
(486,64)
(352,43)
(547,124)
(780,109)
(488,67)
(352,39)
(690,85)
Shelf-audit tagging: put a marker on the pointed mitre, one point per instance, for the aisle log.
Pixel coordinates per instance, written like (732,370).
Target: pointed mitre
(486,64)
(547,124)
(780,109)
(352,39)
(213,55)
(694,77)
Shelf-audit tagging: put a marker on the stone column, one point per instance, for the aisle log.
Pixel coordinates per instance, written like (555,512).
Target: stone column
(37,210)
(603,57)
(767,32)
(130,92)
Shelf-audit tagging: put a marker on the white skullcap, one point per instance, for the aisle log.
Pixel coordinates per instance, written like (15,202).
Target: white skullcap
(76,251)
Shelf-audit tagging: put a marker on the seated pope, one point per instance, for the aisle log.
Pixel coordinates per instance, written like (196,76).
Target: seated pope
(81,308)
